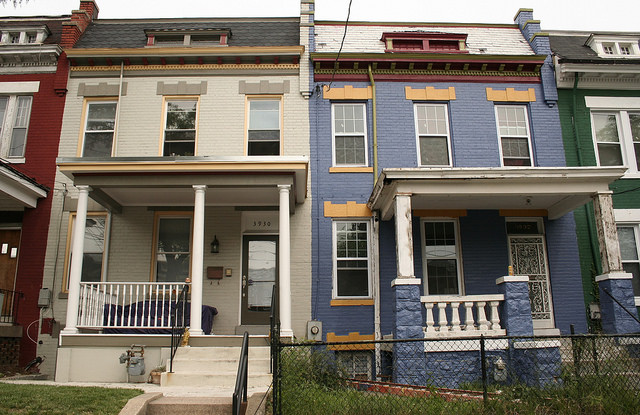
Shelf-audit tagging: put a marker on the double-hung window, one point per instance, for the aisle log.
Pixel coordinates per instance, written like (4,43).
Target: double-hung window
(349,135)
(514,135)
(616,136)
(172,247)
(99,129)
(180,127)
(628,237)
(15,112)
(264,129)
(351,264)
(94,251)
(432,128)
(441,258)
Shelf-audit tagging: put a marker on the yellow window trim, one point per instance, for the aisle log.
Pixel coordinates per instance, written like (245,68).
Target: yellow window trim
(524,212)
(350,169)
(347,302)
(67,254)
(435,213)
(248,98)
(346,210)
(166,98)
(347,92)
(83,121)
(430,94)
(351,337)
(156,220)
(511,95)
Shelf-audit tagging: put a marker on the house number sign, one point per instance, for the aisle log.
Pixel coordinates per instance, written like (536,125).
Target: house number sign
(260,221)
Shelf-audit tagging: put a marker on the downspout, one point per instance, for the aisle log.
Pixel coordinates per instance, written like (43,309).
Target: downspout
(115,133)
(375,126)
(595,254)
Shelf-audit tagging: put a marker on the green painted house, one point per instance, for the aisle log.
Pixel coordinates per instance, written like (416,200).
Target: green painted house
(598,80)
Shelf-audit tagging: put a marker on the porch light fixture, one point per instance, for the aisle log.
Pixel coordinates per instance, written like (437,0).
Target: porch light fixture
(215,245)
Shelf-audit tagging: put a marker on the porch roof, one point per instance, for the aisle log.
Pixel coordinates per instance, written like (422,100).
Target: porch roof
(18,191)
(167,181)
(558,190)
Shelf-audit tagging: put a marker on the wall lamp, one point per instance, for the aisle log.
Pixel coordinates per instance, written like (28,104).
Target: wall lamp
(215,245)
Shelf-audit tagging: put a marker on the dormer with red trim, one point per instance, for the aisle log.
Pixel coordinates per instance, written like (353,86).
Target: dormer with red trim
(425,42)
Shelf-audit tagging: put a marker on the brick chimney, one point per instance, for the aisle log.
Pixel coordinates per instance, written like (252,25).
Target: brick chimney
(80,19)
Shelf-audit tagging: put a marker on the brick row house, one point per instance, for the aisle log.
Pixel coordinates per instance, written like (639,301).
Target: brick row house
(598,80)
(185,151)
(33,76)
(440,189)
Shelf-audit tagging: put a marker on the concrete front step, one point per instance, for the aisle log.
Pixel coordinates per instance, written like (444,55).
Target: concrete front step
(216,380)
(223,352)
(191,406)
(219,365)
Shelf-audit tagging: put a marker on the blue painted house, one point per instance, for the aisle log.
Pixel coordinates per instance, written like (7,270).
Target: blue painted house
(442,204)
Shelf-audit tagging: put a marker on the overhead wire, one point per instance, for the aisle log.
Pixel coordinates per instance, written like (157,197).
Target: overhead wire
(344,35)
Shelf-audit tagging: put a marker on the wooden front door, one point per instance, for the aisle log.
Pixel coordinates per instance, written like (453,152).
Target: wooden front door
(9,249)
(259,275)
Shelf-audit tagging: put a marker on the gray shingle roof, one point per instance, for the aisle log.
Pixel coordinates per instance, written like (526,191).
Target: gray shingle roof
(131,34)
(572,48)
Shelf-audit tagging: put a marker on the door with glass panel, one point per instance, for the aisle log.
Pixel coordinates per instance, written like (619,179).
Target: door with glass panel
(528,256)
(259,275)
(9,247)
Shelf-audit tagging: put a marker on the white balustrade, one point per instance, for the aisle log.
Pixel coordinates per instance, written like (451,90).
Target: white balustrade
(132,305)
(448,321)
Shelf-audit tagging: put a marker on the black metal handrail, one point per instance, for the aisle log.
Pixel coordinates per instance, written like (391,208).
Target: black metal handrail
(274,337)
(178,323)
(9,301)
(240,391)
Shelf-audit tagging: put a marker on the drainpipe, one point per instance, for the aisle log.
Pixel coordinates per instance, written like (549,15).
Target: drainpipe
(595,255)
(375,127)
(115,133)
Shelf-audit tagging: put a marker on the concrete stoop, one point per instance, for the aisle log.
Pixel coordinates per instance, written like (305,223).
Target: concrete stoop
(216,367)
(157,404)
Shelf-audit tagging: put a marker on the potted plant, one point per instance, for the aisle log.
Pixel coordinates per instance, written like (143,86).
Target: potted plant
(154,376)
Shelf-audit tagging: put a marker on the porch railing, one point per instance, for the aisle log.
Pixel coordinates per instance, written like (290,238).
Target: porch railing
(9,301)
(457,316)
(140,305)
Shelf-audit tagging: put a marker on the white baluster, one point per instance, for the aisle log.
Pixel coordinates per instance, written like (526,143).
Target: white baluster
(483,323)
(455,316)
(442,317)
(468,316)
(429,322)
(494,315)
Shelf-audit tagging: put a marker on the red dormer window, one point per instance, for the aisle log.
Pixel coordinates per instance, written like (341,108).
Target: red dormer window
(425,42)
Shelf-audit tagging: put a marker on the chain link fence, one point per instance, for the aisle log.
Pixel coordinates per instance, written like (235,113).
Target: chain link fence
(560,374)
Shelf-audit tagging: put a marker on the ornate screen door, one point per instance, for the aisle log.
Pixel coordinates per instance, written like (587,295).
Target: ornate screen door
(528,256)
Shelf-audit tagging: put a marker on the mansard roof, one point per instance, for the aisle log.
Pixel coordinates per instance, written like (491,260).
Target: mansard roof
(572,47)
(118,33)
(54,24)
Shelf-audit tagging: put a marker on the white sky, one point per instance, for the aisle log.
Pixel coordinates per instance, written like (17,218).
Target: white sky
(589,15)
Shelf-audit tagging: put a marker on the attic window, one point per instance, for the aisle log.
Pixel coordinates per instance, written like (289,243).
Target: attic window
(187,38)
(425,42)
(23,35)
(612,46)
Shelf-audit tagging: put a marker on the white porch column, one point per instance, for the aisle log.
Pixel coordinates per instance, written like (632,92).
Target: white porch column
(607,233)
(284,263)
(75,270)
(404,236)
(197,260)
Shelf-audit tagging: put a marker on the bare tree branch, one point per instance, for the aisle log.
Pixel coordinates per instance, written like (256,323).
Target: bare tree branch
(16,3)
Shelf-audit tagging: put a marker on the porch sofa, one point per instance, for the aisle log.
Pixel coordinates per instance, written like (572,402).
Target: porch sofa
(141,317)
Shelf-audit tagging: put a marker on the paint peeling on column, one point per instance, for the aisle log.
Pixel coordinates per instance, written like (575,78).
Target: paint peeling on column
(607,233)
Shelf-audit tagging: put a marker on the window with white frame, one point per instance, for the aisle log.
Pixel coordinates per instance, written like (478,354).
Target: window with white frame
(356,365)
(349,134)
(628,237)
(351,259)
(513,132)
(172,247)
(263,132)
(441,260)
(432,128)
(180,127)
(100,121)
(15,112)
(94,251)
(616,135)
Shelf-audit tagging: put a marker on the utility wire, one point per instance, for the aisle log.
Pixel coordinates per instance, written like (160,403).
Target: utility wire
(344,35)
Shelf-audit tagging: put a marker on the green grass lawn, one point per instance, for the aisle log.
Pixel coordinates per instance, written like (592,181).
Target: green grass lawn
(67,400)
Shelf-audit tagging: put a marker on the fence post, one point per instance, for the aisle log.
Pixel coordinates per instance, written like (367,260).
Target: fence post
(576,353)
(594,351)
(483,365)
